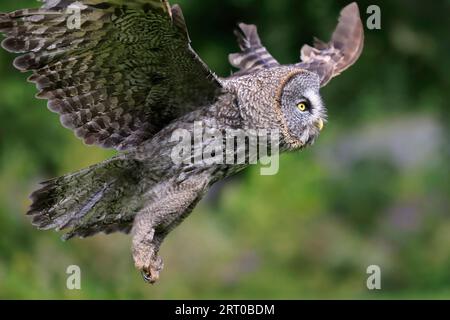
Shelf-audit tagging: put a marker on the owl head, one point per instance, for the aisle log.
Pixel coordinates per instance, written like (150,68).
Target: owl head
(302,110)
(284,98)
(298,109)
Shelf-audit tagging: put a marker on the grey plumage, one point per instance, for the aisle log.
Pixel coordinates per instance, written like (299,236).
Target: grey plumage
(117,80)
(328,60)
(128,79)
(253,56)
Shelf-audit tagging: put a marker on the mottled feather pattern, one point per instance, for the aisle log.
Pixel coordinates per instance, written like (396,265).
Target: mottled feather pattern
(253,56)
(328,60)
(99,198)
(126,73)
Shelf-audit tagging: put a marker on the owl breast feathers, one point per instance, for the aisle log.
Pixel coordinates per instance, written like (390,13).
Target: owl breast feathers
(122,74)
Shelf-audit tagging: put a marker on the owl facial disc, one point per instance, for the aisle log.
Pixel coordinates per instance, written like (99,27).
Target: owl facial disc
(303,111)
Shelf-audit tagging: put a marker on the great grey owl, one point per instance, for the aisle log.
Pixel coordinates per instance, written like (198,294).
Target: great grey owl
(127,78)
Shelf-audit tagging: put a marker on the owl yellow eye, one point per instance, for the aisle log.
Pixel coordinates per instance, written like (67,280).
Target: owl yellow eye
(302,106)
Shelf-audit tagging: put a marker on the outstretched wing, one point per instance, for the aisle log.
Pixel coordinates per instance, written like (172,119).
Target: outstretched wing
(328,60)
(254,56)
(117,71)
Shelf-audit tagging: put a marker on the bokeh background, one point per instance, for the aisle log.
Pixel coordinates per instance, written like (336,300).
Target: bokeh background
(373,190)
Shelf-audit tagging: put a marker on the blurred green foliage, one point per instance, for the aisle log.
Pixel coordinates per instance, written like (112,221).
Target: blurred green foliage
(373,190)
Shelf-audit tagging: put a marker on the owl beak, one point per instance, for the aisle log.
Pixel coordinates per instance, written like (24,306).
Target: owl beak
(319,124)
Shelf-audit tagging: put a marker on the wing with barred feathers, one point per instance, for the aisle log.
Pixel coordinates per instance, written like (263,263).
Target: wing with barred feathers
(254,56)
(118,77)
(328,60)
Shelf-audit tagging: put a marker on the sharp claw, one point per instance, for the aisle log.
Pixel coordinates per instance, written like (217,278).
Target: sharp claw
(148,277)
(151,273)
(147,261)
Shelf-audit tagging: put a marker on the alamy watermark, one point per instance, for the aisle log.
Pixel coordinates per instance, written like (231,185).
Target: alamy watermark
(207,146)
(74,16)
(73,11)
(73,281)
(374,20)
(374,280)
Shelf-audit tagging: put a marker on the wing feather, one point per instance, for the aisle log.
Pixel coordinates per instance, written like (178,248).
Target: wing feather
(253,55)
(329,60)
(120,78)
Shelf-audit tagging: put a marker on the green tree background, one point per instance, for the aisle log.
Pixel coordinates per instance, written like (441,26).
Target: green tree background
(373,190)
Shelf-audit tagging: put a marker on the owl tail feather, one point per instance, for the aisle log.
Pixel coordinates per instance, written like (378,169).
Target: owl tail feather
(89,201)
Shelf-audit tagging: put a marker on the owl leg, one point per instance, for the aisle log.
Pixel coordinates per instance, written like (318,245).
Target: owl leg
(152,224)
(145,254)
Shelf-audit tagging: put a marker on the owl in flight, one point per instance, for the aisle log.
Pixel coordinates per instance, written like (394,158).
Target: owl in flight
(127,78)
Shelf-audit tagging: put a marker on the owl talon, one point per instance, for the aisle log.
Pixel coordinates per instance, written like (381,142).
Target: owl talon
(150,272)
(149,277)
